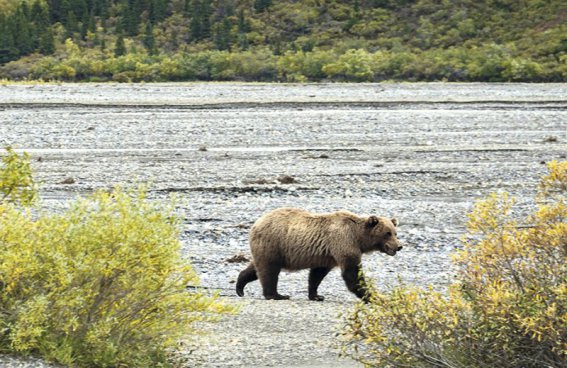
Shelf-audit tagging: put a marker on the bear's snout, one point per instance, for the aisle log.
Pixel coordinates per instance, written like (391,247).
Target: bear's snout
(392,250)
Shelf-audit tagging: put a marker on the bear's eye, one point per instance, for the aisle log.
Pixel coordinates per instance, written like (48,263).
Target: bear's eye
(388,234)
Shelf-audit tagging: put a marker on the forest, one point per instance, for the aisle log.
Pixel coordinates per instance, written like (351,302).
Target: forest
(283,40)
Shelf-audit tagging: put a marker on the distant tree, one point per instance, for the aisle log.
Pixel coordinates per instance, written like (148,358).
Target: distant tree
(7,49)
(222,34)
(206,12)
(130,21)
(149,39)
(47,42)
(39,13)
(71,24)
(243,24)
(39,18)
(157,10)
(84,25)
(120,46)
(22,32)
(200,25)
(243,29)
(224,8)
(262,5)
(195,27)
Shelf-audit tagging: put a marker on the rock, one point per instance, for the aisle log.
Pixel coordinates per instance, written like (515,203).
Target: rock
(68,180)
(261,181)
(286,179)
(551,139)
(237,258)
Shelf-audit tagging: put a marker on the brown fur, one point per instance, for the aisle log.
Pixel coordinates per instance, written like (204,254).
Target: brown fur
(294,239)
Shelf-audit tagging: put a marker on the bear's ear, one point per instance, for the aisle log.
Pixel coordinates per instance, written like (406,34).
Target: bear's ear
(395,221)
(372,221)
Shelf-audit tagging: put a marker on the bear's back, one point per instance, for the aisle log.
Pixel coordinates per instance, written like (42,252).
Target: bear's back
(298,239)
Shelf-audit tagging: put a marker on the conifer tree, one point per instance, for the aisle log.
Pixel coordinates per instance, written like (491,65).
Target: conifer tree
(131,18)
(7,50)
(23,40)
(195,28)
(159,8)
(262,5)
(84,25)
(222,35)
(243,24)
(47,42)
(149,40)
(40,24)
(243,29)
(206,12)
(71,24)
(200,25)
(120,46)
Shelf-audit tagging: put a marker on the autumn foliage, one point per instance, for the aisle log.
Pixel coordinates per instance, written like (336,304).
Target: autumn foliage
(101,284)
(507,309)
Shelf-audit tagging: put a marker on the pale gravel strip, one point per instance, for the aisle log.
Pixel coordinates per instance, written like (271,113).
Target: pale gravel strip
(267,333)
(218,93)
(7,361)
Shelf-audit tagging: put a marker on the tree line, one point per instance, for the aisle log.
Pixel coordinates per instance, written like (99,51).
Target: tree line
(525,38)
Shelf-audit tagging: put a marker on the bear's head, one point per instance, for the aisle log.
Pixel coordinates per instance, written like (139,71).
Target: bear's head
(382,235)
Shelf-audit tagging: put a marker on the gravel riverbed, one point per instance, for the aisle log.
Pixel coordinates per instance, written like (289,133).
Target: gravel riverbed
(231,152)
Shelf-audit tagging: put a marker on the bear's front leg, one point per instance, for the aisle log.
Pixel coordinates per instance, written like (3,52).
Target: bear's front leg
(351,272)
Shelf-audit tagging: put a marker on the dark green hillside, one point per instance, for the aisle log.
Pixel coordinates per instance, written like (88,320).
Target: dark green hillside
(284,40)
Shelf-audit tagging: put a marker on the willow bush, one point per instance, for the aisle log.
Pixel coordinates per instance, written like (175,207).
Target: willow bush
(100,285)
(16,180)
(507,309)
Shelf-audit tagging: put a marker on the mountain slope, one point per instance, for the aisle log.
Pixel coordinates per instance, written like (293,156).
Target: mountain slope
(362,40)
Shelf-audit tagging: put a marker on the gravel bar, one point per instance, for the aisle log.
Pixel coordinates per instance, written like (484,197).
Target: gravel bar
(423,153)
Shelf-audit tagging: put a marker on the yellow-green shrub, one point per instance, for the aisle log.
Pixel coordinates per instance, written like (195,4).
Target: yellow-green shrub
(16,181)
(101,284)
(508,308)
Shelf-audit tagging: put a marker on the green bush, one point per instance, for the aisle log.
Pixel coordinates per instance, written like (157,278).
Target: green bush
(302,66)
(16,180)
(507,309)
(354,65)
(101,284)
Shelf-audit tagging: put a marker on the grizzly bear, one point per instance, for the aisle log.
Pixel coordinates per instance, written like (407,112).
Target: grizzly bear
(294,239)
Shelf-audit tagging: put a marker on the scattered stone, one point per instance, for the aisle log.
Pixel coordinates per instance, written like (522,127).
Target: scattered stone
(91,128)
(324,156)
(203,149)
(68,180)
(551,139)
(260,181)
(237,258)
(286,179)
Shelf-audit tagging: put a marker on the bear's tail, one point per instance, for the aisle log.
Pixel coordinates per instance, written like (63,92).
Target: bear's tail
(247,275)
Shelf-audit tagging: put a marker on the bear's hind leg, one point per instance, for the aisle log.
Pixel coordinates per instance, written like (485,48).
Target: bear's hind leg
(269,280)
(247,275)
(316,275)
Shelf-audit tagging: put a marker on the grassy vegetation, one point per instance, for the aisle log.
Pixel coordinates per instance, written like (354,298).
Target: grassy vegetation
(508,307)
(284,40)
(102,284)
